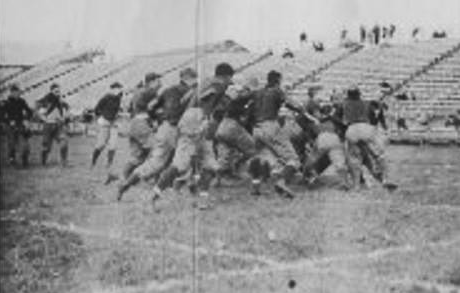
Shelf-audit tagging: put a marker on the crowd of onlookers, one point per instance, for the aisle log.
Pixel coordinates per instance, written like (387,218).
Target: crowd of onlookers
(373,35)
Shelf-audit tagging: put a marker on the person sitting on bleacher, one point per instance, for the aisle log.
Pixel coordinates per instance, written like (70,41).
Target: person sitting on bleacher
(439,35)
(392,31)
(318,46)
(287,53)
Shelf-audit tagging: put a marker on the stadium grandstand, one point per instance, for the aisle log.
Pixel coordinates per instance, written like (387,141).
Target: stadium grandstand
(428,70)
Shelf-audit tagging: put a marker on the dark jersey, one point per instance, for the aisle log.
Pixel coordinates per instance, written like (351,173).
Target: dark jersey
(141,101)
(267,103)
(52,103)
(212,96)
(355,111)
(237,108)
(16,110)
(108,107)
(170,101)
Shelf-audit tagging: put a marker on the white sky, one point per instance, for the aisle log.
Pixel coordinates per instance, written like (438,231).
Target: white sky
(146,26)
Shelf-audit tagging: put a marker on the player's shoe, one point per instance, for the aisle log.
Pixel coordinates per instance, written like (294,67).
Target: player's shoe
(283,190)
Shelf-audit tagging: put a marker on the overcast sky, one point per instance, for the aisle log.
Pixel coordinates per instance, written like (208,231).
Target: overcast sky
(141,26)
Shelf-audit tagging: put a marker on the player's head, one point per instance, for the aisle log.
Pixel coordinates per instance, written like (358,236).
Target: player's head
(15,91)
(152,80)
(225,72)
(189,76)
(116,88)
(55,89)
(353,93)
(274,78)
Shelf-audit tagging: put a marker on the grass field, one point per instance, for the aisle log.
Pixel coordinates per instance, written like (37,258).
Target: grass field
(63,231)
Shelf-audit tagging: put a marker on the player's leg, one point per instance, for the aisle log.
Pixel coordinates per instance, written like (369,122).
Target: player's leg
(233,140)
(138,155)
(24,146)
(283,148)
(62,137)
(160,154)
(186,148)
(112,144)
(49,130)
(11,142)
(102,137)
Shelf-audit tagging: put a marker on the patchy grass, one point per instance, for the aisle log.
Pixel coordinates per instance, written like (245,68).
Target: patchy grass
(38,259)
(124,244)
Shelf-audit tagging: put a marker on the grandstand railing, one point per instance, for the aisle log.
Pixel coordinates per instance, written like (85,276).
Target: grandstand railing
(52,78)
(3,81)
